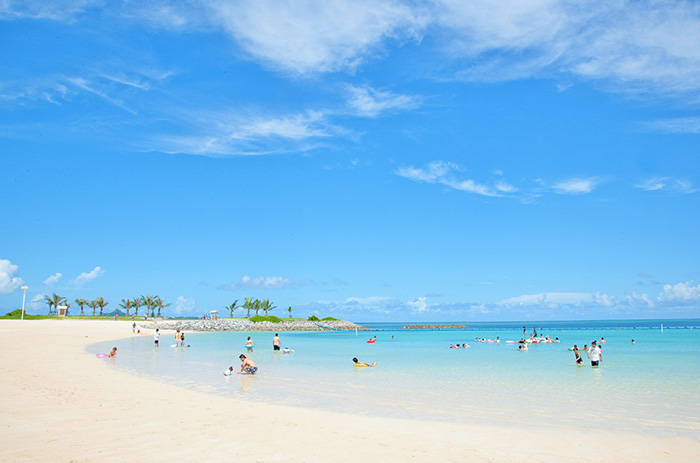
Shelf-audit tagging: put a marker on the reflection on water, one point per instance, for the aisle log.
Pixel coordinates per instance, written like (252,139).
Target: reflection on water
(651,385)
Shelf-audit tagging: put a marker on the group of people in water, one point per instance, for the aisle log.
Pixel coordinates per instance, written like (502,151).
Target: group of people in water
(595,353)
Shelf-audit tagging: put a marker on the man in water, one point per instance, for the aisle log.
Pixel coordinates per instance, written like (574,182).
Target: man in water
(276,343)
(595,354)
(247,365)
(156,336)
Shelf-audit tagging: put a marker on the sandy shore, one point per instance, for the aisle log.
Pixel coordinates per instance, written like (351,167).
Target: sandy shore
(61,404)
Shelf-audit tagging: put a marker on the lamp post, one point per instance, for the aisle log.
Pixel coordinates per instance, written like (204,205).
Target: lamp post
(24,296)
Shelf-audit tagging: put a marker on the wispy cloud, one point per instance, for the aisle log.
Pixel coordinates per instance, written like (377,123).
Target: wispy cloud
(576,186)
(449,174)
(246,133)
(676,125)
(667,184)
(88,276)
(274,282)
(9,283)
(369,102)
(55,10)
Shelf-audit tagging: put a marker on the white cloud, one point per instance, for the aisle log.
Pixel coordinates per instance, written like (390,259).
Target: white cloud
(640,46)
(89,276)
(637,300)
(677,125)
(310,36)
(366,300)
(445,173)
(56,10)
(418,305)
(241,132)
(183,306)
(667,184)
(9,283)
(369,102)
(576,186)
(264,282)
(680,293)
(554,300)
(53,279)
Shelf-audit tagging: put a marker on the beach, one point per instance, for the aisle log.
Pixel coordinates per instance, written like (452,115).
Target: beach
(61,403)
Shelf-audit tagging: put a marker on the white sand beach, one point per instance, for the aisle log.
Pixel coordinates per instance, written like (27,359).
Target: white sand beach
(61,404)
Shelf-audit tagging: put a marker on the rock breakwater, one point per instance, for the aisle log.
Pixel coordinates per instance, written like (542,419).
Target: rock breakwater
(247,325)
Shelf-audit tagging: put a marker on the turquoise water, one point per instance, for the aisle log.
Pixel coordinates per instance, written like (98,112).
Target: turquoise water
(652,385)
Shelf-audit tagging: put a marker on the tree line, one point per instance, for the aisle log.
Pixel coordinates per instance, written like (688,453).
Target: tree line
(151,304)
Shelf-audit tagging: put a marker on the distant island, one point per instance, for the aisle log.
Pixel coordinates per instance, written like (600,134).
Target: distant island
(433,327)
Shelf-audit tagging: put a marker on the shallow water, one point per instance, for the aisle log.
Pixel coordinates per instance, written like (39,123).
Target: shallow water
(652,385)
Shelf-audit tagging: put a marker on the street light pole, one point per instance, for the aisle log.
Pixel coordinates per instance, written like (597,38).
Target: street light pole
(24,296)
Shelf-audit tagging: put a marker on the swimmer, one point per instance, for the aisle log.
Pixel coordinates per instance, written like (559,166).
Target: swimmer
(363,364)
(522,347)
(276,342)
(498,339)
(247,365)
(249,345)
(602,340)
(633,341)
(113,353)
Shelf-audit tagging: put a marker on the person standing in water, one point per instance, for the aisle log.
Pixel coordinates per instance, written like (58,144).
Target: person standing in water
(595,354)
(577,354)
(276,343)
(249,345)
(156,337)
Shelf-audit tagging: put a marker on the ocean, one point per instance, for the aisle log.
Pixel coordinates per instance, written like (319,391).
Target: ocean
(651,385)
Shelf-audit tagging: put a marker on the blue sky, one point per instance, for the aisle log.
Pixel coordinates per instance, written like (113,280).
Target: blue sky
(368,160)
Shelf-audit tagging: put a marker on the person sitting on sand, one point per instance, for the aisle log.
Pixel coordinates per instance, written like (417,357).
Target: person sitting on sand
(247,365)
(363,364)
(113,353)
(249,345)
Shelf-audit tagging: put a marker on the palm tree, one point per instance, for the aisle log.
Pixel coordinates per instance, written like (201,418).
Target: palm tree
(266,306)
(82,303)
(101,303)
(150,303)
(126,305)
(93,306)
(67,307)
(257,305)
(137,303)
(232,307)
(290,311)
(248,305)
(54,301)
(160,305)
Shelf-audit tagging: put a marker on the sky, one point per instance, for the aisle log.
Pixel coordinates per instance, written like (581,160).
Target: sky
(366,160)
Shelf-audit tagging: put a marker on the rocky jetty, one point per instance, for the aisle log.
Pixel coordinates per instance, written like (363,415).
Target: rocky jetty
(434,327)
(247,325)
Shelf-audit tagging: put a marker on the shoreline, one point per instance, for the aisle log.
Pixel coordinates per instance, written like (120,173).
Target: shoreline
(60,403)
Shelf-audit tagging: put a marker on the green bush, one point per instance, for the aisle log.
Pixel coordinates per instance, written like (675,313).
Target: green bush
(314,318)
(329,319)
(14,314)
(260,318)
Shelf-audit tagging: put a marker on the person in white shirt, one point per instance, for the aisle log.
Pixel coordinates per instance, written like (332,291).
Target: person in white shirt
(595,354)
(156,336)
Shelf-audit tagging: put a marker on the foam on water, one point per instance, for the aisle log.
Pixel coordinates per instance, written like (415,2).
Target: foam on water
(651,385)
